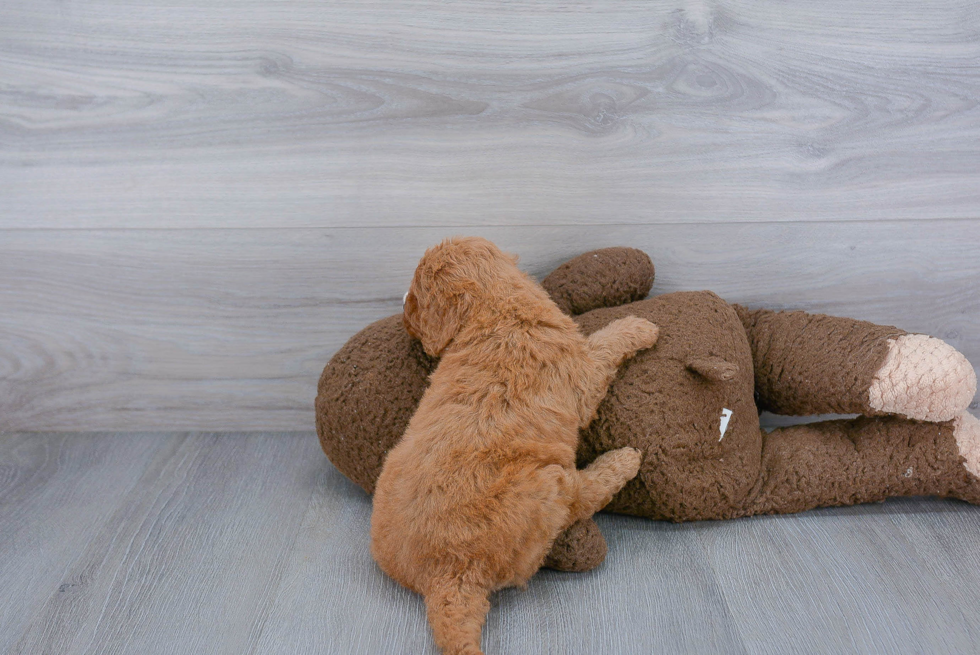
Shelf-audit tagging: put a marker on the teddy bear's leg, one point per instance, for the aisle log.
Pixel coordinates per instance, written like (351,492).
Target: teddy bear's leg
(817,364)
(608,348)
(867,459)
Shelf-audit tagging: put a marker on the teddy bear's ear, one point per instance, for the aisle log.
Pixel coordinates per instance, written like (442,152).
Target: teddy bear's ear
(714,369)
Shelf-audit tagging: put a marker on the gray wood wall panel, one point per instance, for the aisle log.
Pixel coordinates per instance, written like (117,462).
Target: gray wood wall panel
(235,543)
(328,114)
(229,329)
(200,202)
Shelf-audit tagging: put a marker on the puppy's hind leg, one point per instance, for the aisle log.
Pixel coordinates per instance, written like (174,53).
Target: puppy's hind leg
(608,348)
(457,610)
(601,480)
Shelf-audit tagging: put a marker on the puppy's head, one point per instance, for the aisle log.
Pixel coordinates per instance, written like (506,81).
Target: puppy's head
(449,279)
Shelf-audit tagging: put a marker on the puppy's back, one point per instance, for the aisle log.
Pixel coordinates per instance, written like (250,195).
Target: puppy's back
(463,483)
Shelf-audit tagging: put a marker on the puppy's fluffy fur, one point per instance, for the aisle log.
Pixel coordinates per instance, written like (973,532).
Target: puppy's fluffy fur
(484,480)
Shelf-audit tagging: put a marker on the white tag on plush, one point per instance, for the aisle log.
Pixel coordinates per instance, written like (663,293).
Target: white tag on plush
(726,415)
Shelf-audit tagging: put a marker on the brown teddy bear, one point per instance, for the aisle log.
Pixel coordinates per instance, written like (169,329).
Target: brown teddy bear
(691,404)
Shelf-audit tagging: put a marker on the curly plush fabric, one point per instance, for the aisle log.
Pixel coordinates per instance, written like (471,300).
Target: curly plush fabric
(662,405)
(846,462)
(812,363)
(603,278)
(580,548)
(366,395)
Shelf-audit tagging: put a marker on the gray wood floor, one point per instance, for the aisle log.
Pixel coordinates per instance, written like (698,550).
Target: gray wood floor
(157,543)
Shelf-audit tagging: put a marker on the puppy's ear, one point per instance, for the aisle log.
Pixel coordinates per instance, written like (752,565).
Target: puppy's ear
(440,321)
(410,313)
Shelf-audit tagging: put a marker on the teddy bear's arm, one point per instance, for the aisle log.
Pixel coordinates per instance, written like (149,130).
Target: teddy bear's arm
(600,278)
(818,364)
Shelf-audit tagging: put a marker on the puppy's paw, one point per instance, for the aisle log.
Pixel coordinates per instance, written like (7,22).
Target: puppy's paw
(621,464)
(632,458)
(638,332)
(603,478)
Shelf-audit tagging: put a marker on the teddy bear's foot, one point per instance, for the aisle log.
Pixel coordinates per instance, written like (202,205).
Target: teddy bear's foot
(579,548)
(923,378)
(966,431)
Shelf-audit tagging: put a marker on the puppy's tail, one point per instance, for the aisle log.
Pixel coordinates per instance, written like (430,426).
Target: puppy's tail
(457,610)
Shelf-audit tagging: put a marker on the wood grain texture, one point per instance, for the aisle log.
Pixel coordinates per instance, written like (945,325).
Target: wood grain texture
(367,113)
(56,494)
(880,556)
(187,562)
(254,544)
(229,329)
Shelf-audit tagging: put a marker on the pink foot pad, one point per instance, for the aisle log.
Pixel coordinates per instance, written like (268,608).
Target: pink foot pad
(923,378)
(967,433)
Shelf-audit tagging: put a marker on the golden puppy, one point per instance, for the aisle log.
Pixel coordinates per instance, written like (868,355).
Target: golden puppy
(484,480)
